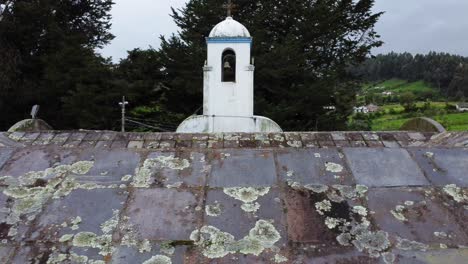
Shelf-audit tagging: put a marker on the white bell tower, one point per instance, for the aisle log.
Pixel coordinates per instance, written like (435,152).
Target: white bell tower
(228,85)
(229,73)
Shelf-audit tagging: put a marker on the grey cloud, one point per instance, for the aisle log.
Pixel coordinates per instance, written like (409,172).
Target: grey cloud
(416,26)
(420,26)
(138,24)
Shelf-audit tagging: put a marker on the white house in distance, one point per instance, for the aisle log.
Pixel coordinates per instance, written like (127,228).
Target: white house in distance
(371,108)
(462,107)
(361,109)
(228,94)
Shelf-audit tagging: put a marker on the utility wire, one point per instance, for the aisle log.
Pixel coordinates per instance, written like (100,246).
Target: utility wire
(147,126)
(159,123)
(151,120)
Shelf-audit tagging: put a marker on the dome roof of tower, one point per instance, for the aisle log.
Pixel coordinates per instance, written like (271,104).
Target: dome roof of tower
(229,28)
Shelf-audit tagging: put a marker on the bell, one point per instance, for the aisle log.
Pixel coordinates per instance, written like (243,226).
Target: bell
(227,65)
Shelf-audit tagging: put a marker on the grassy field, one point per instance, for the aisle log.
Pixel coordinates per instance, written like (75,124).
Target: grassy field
(394,116)
(399,108)
(398,87)
(384,86)
(392,122)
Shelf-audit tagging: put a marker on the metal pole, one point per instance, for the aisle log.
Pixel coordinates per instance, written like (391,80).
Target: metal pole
(123,104)
(123,114)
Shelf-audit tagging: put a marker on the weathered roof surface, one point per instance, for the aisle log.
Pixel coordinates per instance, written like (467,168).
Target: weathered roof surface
(357,197)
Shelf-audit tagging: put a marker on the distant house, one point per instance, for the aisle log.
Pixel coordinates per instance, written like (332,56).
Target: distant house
(387,93)
(462,107)
(372,108)
(329,107)
(361,109)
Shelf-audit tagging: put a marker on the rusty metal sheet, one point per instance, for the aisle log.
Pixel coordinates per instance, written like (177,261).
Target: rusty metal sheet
(37,159)
(150,202)
(242,168)
(192,168)
(5,154)
(92,208)
(125,255)
(109,166)
(305,225)
(325,255)
(3,206)
(35,253)
(455,256)
(378,167)
(313,166)
(443,166)
(5,252)
(237,217)
(417,215)
(264,258)
(164,214)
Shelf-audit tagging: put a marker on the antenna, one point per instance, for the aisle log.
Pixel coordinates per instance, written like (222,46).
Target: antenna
(122,105)
(34,111)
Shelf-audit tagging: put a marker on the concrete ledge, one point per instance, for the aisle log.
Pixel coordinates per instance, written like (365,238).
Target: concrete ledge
(30,125)
(232,124)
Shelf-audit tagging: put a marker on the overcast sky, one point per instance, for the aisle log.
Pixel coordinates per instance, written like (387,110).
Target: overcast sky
(416,26)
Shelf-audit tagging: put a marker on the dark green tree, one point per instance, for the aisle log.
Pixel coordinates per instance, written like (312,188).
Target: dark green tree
(144,75)
(459,85)
(408,101)
(48,45)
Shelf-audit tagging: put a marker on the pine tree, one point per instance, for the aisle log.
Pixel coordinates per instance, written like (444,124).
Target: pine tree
(459,85)
(143,74)
(48,45)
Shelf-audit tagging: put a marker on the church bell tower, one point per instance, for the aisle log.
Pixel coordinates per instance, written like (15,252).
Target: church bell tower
(229,73)
(228,85)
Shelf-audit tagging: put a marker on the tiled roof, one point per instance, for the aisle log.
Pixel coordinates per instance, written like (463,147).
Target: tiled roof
(339,197)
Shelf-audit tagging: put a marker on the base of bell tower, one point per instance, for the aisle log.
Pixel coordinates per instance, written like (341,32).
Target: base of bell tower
(228,124)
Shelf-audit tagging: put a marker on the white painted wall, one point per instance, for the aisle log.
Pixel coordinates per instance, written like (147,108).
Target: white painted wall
(217,124)
(228,98)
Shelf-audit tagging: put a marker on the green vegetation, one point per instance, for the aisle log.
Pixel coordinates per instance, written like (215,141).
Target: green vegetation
(419,87)
(399,86)
(393,116)
(408,100)
(373,92)
(388,85)
(454,122)
(446,72)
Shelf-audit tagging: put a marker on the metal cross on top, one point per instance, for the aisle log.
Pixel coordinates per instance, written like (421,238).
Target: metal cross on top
(229,7)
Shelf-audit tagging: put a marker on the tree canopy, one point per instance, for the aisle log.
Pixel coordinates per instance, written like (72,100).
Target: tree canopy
(444,71)
(48,53)
(302,49)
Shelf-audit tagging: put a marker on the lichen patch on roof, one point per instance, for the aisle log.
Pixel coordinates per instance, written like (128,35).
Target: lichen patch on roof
(93,197)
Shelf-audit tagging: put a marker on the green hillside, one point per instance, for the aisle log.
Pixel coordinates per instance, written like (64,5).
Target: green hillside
(392,114)
(451,122)
(398,87)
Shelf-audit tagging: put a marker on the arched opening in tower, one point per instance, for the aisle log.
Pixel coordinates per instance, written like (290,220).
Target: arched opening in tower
(229,66)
